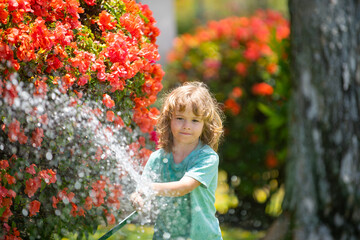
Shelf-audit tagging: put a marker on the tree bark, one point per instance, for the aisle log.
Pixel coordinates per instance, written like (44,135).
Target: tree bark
(323,174)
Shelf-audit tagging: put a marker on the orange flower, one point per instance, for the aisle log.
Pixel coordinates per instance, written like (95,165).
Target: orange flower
(282,32)
(262,89)
(233,106)
(55,201)
(241,68)
(272,68)
(32,185)
(73,209)
(110,116)
(110,218)
(271,160)
(236,92)
(98,153)
(37,136)
(31,169)
(22,137)
(106,21)
(10,179)
(6,214)
(107,101)
(4,164)
(48,175)
(119,122)
(34,207)
(88,203)
(14,130)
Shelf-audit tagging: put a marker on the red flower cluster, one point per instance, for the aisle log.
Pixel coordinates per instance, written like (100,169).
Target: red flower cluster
(33,184)
(48,46)
(262,89)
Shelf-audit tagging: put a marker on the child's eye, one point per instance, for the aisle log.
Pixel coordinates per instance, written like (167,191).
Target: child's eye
(179,118)
(195,120)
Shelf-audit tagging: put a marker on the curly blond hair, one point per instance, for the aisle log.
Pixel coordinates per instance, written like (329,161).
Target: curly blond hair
(198,96)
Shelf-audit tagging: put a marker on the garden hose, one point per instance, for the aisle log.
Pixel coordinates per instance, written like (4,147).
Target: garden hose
(118,226)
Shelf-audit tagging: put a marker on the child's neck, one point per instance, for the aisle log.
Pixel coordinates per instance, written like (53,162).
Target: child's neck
(180,152)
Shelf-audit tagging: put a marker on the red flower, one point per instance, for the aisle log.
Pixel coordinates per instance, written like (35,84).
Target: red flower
(233,106)
(34,207)
(241,68)
(282,32)
(98,153)
(6,214)
(48,175)
(22,138)
(32,185)
(262,89)
(73,209)
(110,218)
(31,169)
(90,2)
(107,101)
(110,116)
(271,160)
(83,80)
(88,203)
(10,179)
(106,21)
(4,164)
(272,68)
(37,136)
(14,130)
(40,88)
(154,137)
(236,92)
(55,201)
(53,63)
(119,122)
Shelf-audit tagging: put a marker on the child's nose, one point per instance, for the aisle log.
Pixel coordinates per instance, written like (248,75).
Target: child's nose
(186,125)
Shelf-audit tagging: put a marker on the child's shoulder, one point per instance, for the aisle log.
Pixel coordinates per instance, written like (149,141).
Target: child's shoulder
(205,151)
(158,153)
(204,148)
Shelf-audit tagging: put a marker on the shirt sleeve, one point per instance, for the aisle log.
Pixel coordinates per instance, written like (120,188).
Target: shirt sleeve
(204,167)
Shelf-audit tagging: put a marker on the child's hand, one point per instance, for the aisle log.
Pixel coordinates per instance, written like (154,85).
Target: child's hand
(137,201)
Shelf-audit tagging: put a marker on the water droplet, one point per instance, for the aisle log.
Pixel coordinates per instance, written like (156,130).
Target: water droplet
(165,160)
(25,212)
(49,156)
(77,185)
(166,235)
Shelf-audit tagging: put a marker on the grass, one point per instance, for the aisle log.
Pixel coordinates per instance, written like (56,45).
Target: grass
(135,232)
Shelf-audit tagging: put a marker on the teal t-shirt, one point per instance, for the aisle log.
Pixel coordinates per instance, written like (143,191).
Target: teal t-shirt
(193,215)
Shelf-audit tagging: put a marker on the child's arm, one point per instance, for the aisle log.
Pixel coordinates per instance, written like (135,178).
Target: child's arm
(176,189)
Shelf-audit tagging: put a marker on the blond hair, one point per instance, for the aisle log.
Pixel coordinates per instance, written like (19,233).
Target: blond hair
(198,96)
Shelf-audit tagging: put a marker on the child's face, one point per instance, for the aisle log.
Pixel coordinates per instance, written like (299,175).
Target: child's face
(186,127)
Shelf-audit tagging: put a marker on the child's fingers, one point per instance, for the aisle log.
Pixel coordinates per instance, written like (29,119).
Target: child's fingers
(137,201)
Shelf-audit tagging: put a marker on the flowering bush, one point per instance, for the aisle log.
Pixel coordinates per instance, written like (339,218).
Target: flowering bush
(52,170)
(244,62)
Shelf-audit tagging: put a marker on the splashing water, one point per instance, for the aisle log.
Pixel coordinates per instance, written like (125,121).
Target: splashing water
(77,142)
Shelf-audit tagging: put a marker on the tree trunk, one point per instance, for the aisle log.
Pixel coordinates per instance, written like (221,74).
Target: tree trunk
(323,174)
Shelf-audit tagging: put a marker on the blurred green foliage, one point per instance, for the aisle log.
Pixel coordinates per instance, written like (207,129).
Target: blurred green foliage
(190,14)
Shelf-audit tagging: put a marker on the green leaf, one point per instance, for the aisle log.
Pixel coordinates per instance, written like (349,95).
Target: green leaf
(2,211)
(265,109)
